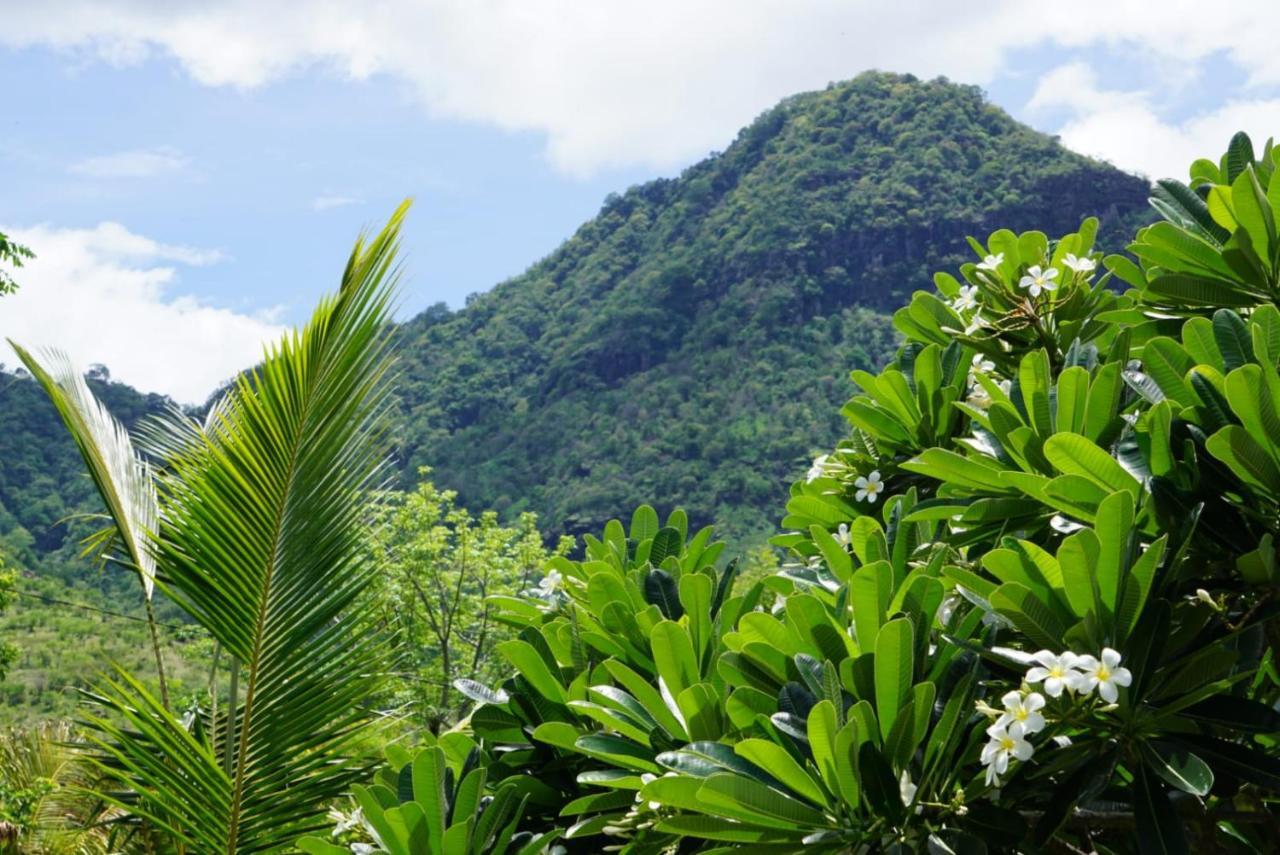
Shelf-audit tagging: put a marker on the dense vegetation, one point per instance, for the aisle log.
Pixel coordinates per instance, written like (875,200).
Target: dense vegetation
(1029,603)
(691,343)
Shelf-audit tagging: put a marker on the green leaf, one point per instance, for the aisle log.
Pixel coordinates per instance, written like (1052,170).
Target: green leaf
(525,659)
(1073,454)
(758,803)
(1029,615)
(660,590)
(1179,767)
(673,655)
(1250,462)
(667,542)
(775,760)
(644,523)
(894,669)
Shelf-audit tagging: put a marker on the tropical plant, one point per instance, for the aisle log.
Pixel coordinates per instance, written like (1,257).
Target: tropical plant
(434,802)
(258,538)
(47,799)
(1029,600)
(440,564)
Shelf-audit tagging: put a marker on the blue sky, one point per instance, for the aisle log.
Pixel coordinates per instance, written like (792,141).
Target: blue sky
(192,175)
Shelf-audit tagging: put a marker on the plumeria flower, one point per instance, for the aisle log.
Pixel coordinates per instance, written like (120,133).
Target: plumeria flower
(1080,265)
(975,324)
(981,365)
(1006,743)
(991,262)
(1105,674)
(817,470)
(1037,281)
(869,487)
(967,299)
(1023,711)
(842,536)
(550,583)
(1056,672)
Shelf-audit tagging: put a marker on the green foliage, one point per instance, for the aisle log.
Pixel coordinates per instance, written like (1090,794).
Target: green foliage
(691,341)
(434,802)
(261,511)
(13,254)
(439,565)
(8,652)
(1033,583)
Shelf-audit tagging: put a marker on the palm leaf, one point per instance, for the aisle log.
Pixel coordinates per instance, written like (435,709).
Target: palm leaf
(122,477)
(261,542)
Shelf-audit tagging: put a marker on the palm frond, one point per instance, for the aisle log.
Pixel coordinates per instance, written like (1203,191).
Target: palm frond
(261,542)
(122,477)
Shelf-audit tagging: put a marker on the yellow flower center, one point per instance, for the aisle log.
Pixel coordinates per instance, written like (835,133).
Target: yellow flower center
(1007,743)
(1103,674)
(1021,714)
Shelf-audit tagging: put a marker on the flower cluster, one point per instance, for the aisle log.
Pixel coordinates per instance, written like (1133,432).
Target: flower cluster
(1080,674)
(1071,673)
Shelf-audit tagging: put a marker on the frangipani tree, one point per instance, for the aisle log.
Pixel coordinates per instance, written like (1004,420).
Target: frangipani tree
(1031,594)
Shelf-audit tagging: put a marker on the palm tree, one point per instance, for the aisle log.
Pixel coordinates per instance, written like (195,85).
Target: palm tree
(258,538)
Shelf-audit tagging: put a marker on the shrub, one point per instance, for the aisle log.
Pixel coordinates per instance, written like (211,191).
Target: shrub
(1030,596)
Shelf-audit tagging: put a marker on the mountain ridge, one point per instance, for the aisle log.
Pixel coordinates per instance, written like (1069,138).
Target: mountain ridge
(695,331)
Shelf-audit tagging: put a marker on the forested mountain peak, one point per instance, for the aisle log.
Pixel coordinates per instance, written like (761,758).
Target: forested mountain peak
(657,333)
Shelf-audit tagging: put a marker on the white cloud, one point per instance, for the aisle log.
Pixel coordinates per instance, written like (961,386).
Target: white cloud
(136,163)
(328,203)
(654,82)
(106,295)
(1125,129)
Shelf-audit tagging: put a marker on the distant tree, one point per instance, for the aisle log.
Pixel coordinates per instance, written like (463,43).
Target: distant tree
(441,562)
(8,578)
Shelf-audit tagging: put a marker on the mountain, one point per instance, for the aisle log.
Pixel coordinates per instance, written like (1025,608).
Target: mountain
(689,345)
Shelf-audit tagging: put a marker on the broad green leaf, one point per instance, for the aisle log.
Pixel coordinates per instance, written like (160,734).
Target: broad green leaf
(895,667)
(1073,454)
(775,760)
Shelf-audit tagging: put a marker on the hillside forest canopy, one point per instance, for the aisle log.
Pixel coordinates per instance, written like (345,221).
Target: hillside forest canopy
(1027,600)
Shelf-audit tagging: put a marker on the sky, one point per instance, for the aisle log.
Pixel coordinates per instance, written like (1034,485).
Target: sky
(191,173)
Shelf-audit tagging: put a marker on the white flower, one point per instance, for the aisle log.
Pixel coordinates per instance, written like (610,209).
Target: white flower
(550,583)
(1055,671)
(1080,265)
(907,790)
(1038,280)
(869,486)
(967,299)
(1024,711)
(975,324)
(1062,741)
(817,470)
(981,365)
(991,262)
(362,849)
(842,536)
(1106,675)
(1006,743)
